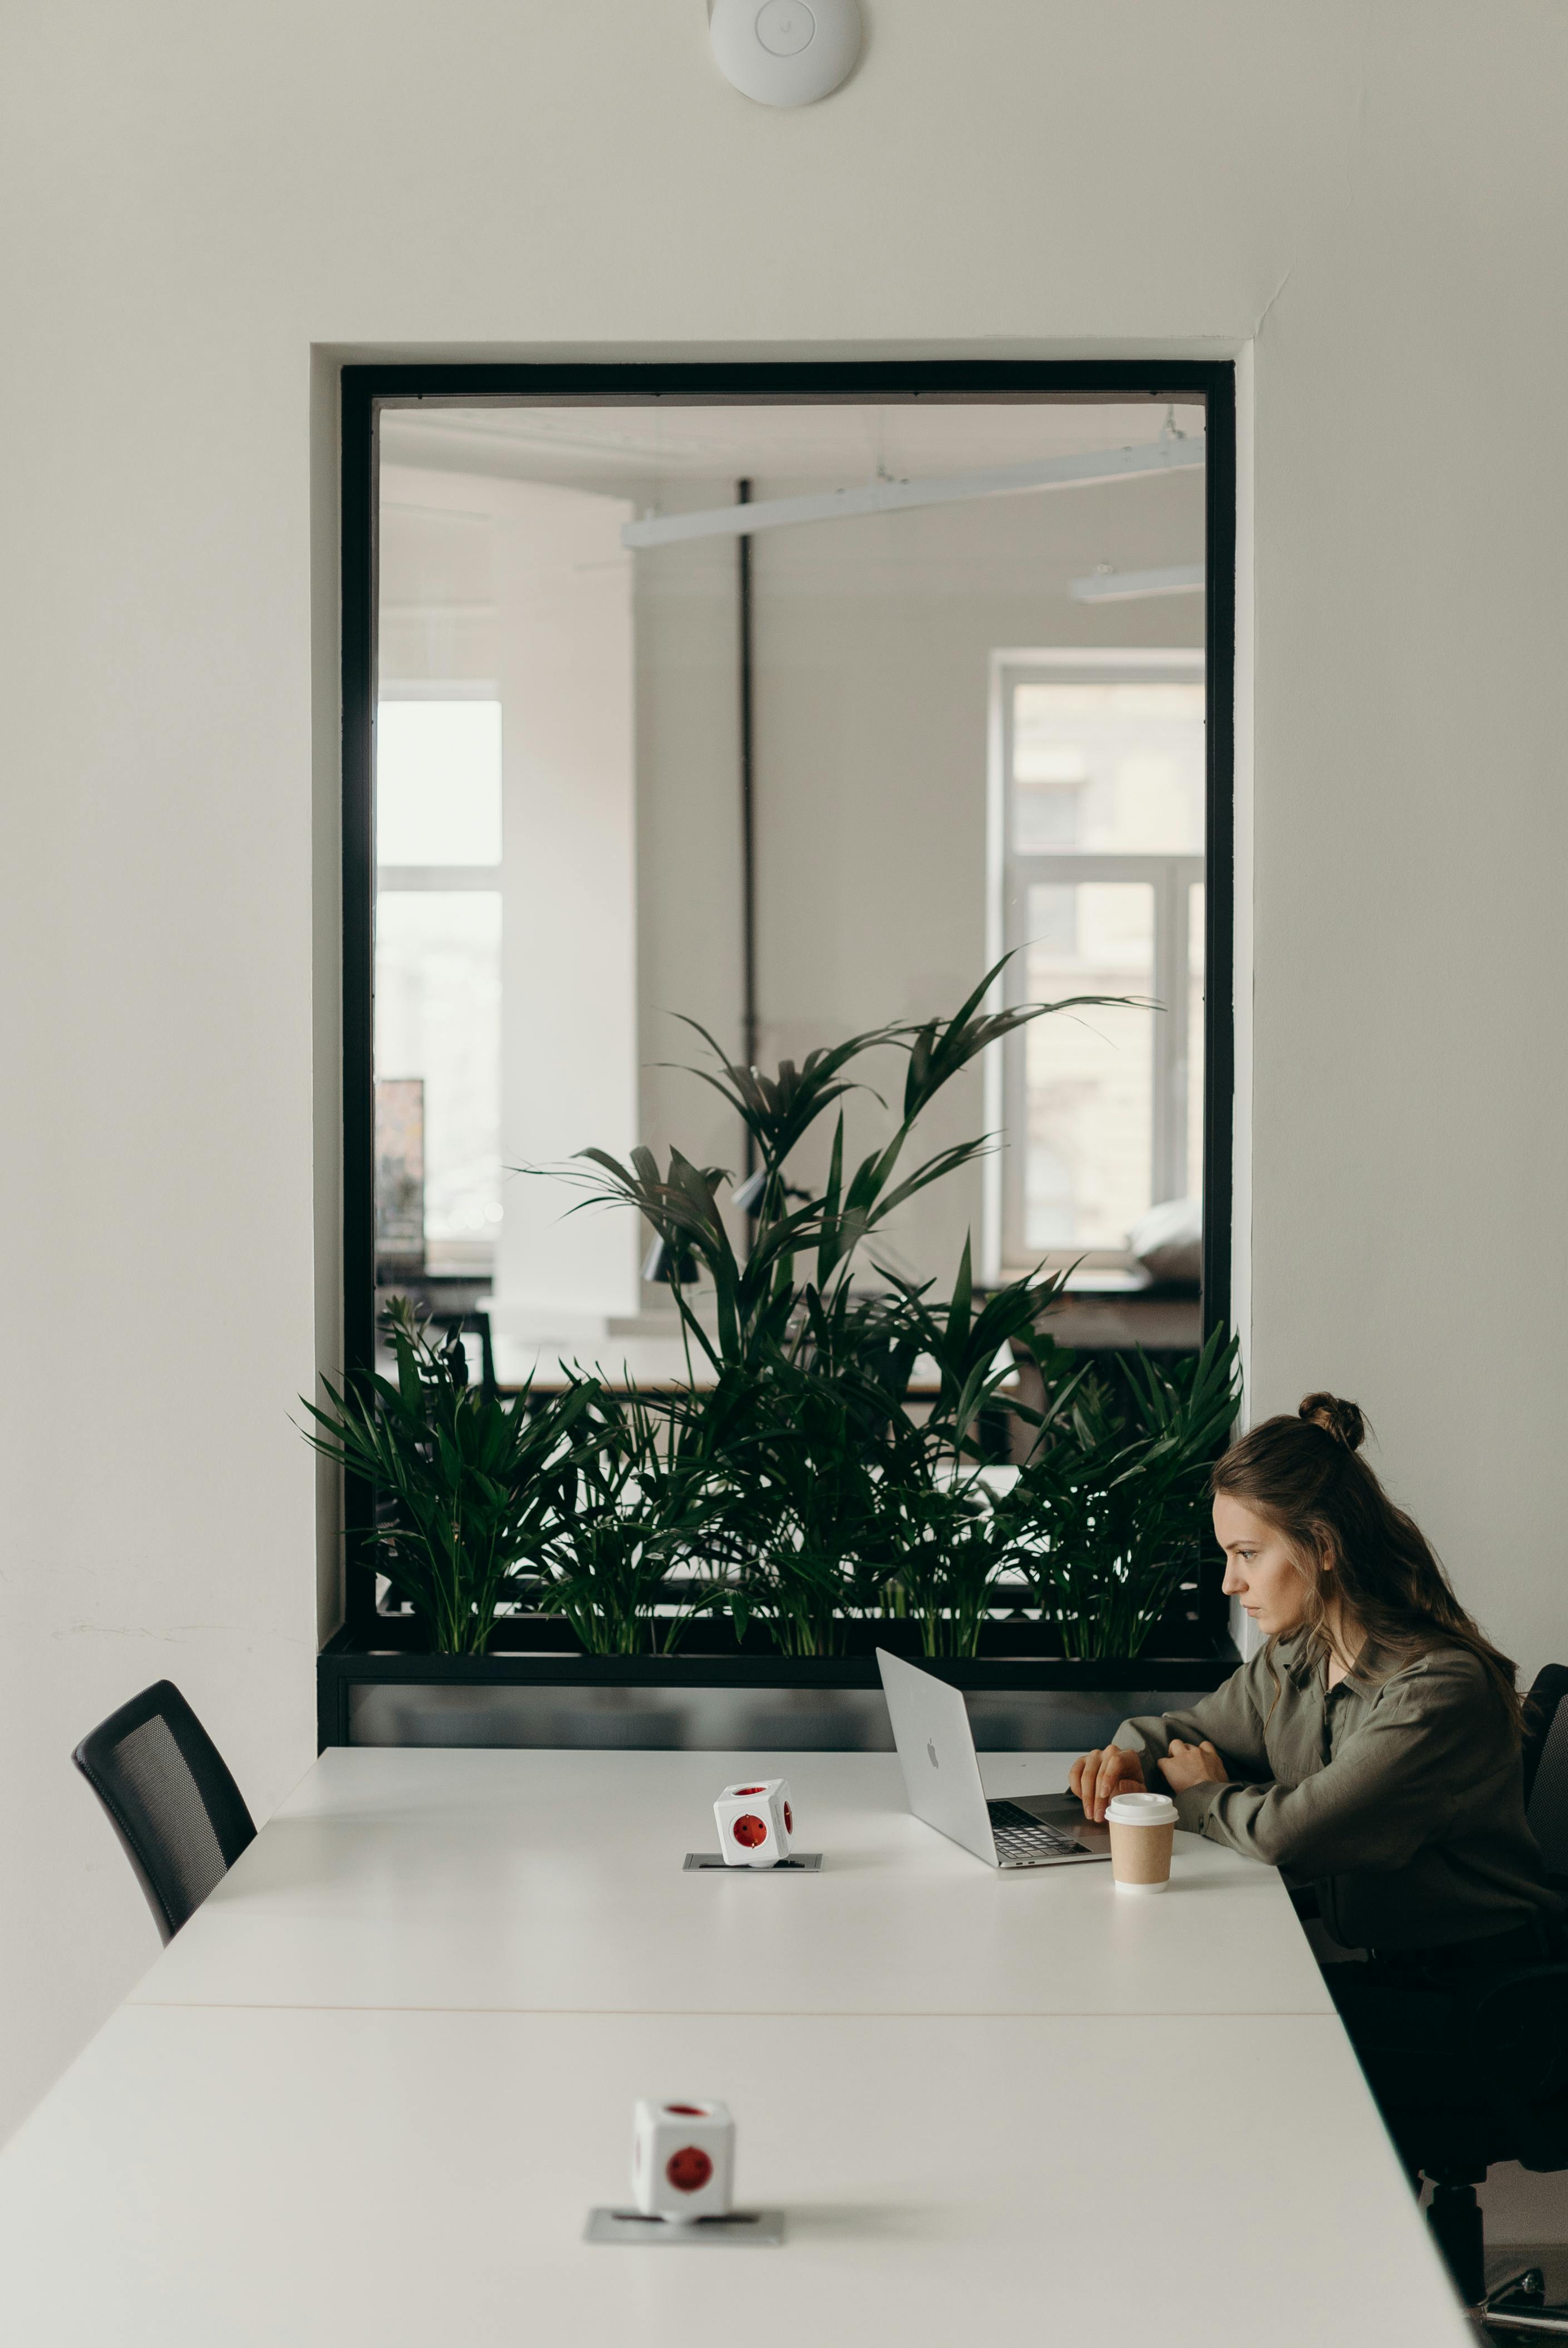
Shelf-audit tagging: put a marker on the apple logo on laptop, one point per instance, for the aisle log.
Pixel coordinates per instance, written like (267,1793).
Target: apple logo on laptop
(931,1752)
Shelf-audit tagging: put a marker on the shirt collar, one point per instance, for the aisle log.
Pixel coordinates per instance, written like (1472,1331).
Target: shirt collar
(1306,1665)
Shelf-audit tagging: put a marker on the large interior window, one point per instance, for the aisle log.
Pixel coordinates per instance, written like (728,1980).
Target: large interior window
(674,691)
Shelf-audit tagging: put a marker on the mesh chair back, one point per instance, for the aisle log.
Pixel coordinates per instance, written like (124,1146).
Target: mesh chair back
(1546,1766)
(180,1816)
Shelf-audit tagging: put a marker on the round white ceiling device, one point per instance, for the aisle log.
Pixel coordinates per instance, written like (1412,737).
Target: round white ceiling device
(786,52)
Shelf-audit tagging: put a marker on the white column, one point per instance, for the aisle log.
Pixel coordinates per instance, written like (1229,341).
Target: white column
(569,1076)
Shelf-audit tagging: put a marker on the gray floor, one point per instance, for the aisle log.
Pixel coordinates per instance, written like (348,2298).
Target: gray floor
(1522,2207)
(1505,2258)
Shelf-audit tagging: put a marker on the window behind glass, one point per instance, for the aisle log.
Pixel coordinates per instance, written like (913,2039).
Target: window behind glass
(1102,875)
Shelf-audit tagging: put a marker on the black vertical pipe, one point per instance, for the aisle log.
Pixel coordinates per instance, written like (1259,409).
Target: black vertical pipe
(748,1026)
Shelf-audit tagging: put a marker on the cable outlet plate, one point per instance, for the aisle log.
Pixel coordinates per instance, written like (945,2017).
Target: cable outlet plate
(703,1862)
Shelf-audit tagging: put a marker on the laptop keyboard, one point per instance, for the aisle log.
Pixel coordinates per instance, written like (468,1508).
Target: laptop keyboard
(1020,1835)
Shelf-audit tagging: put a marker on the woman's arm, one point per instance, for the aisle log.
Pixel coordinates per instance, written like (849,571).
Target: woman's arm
(1192,1765)
(1228,1722)
(1383,1796)
(1230,1719)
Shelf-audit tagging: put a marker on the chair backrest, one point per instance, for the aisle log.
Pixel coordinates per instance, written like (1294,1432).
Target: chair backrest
(1515,2031)
(179,1815)
(1546,1765)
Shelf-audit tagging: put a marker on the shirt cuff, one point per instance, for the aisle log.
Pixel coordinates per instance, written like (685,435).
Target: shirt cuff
(1193,1804)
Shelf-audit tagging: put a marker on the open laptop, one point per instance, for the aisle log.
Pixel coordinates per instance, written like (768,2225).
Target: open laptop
(942,1777)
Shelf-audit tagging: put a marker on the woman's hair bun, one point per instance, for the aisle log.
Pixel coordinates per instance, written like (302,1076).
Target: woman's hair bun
(1338,1417)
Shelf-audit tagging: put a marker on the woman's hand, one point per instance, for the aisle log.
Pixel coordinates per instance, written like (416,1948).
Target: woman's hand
(1097,1775)
(1192,1765)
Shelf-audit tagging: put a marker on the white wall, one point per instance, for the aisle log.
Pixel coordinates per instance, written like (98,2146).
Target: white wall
(202,200)
(569,1068)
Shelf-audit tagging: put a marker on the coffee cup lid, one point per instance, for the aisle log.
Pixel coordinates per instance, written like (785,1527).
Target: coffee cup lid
(1140,1809)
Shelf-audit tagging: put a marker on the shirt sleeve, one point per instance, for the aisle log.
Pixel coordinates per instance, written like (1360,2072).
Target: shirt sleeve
(1229,1719)
(1380,1799)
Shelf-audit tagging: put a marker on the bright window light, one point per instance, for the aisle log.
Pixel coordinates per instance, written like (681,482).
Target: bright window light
(1102,882)
(437,783)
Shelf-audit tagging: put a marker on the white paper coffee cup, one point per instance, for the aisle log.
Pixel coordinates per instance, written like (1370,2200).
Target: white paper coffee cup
(1143,1833)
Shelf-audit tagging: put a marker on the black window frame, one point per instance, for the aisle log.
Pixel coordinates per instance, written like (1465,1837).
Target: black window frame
(367,389)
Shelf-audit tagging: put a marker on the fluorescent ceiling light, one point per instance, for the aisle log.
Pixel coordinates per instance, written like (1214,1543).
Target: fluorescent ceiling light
(1175,454)
(1121,586)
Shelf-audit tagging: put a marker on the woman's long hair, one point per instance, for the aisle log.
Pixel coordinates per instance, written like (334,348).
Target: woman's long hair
(1306,1476)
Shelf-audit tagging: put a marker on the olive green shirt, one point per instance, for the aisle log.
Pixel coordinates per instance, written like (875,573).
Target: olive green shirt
(1399,1798)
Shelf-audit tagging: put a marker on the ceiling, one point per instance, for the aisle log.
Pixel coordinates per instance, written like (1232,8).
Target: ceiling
(635,448)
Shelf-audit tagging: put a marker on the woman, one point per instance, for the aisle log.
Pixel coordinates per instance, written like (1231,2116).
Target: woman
(1371,1748)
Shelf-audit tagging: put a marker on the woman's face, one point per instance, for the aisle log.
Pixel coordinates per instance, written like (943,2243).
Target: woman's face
(1261,1567)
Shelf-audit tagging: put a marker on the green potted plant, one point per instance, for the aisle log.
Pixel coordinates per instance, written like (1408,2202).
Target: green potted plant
(466,1483)
(625,1513)
(1109,1513)
(830,1497)
(794,1493)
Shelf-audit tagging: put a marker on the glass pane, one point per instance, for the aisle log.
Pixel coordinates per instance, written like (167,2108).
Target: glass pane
(1089,1075)
(556,650)
(1196,1041)
(400,1175)
(438,782)
(1110,768)
(438,1020)
(1047,796)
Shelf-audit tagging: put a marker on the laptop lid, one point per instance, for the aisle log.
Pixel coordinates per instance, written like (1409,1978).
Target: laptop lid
(937,1748)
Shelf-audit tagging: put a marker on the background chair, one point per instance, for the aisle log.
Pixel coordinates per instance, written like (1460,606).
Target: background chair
(458,1325)
(1512,2035)
(179,1815)
(1546,1766)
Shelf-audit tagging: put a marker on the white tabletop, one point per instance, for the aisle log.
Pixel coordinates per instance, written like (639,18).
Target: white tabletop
(553,1882)
(252,2178)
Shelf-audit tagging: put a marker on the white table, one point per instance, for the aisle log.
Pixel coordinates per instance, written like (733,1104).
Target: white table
(554,1881)
(260,2149)
(252,2179)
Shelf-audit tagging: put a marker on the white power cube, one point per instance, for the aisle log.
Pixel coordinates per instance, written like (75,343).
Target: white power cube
(755,1823)
(683,2160)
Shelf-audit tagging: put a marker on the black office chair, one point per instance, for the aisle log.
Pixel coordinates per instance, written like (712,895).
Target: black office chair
(457,1326)
(179,1815)
(1513,2037)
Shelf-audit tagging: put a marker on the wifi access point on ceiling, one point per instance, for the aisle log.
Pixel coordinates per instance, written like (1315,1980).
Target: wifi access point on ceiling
(786,52)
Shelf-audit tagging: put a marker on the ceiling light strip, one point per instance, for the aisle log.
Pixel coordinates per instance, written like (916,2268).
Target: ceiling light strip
(1177,454)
